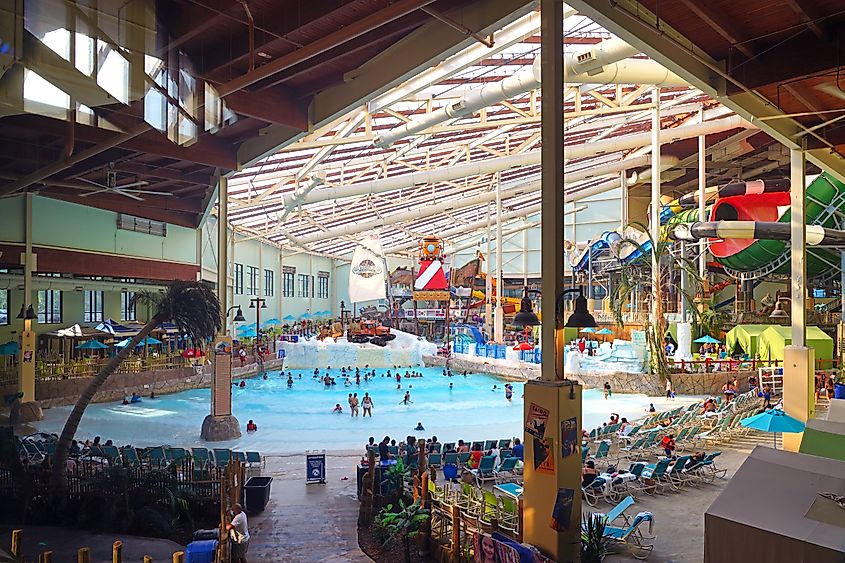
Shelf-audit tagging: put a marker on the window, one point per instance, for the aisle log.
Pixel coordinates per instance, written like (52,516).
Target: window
(127,306)
(4,306)
(239,279)
(251,280)
(288,272)
(269,288)
(141,225)
(50,306)
(306,286)
(93,307)
(322,285)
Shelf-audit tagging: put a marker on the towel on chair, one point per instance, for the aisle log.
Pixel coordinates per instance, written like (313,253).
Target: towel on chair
(645,516)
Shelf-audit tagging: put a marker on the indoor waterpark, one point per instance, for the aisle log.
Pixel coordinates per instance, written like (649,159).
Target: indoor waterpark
(452,281)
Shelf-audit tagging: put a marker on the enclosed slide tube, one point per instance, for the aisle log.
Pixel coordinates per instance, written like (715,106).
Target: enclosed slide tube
(753,187)
(758,230)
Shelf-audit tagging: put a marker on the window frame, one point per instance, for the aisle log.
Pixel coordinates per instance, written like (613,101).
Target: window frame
(238,279)
(323,285)
(269,283)
(8,296)
(252,280)
(128,306)
(90,313)
(49,317)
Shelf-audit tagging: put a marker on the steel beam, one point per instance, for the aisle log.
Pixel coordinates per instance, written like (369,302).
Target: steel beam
(798,245)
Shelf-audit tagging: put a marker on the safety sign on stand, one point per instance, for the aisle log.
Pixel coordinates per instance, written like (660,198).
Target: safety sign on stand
(315,467)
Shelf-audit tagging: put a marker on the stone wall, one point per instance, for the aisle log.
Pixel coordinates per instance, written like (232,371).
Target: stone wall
(620,382)
(59,392)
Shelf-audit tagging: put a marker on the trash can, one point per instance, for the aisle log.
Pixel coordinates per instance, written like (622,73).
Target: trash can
(201,551)
(839,391)
(257,493)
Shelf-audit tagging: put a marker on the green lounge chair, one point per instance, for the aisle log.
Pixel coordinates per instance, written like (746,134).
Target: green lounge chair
(112,454)
(435,460)
(240,456)
(594,491)
(479,443)
(505,443)
(489,445)
(448,447)
(675,475)
(508,514)
(463,457)
(450,459)
(201,457)
(657,472)
(130,457)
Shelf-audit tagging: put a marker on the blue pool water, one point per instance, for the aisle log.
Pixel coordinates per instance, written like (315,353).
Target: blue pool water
(300,418)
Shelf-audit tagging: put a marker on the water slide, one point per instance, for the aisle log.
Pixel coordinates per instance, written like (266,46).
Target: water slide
(616,243)
(476,334)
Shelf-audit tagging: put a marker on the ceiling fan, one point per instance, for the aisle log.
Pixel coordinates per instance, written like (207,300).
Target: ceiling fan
(111,186)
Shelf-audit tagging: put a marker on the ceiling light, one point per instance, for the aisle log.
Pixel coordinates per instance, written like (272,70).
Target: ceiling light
(264,55)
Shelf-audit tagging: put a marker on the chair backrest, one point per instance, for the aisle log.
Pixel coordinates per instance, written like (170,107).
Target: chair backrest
(712,456)
(506,443)
(504,454)
(490,502)
(436,447)
(253,457)
(130,454)
(489,444)
(660,468)
(240,456)
(434,459)
(679,464)
(487,463)
(509,464)
(508,504)
(221,456)
(638,519)
(636,469)
(604,449)
(597,483)
(448,446)
(463,457)
(199,454)
(393,450)
(450,459)
(479,442)
(617,510)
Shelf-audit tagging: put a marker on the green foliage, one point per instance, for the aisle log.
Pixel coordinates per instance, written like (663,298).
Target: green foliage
(710,321)
(395,476)
(594,543)
(638,278)
(403,524)
(192,306)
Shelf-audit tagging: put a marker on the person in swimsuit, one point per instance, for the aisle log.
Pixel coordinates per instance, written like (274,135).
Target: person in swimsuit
(354,404)
(367,404)
(407,399)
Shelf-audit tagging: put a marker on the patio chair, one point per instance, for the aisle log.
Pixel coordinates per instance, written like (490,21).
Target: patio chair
(505,454)
(594,491)
(436,448)
(603,452)
(448,447)
(676,476)
(240,456)
(484,471)
(112,454)
(489,510)
(508,514)
(618,511)
(657,473)
(156,457)
(479,443)
(463,457)
(175,454)
(639,543)
(489,445)
(506,470)
(201,457)
(450,459)
(504,443)
(130,457)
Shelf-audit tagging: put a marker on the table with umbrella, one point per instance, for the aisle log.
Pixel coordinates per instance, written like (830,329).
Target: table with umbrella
(707,339)
(92,345)
(775,421)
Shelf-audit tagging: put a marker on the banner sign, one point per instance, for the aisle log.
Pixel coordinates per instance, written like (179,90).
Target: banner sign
(427,314)
(432,295)
(315,468)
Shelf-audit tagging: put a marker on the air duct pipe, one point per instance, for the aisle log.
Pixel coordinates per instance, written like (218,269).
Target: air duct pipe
(607,52)
(666,162)
(491,165)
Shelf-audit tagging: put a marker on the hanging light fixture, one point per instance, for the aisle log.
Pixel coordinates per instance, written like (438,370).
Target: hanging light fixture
(581,318)
(526,315)
(239,315)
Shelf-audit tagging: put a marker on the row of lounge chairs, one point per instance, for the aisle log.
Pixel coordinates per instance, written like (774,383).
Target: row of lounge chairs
(481,509)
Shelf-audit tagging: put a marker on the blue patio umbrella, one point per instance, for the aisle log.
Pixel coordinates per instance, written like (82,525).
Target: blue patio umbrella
(149,341)
(603,331)
(588,329)
(288,318)
(247,331)
(707,339)
(305,316)
(91,345)
(775,421)
(272,322)
(10,348)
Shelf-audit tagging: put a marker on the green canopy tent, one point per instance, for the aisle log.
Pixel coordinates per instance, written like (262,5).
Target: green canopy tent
(772,341)
(745,338)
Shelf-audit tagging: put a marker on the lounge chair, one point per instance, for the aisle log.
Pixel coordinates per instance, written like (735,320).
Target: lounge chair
(594,491)
(478,443)
(130,457)
(618,511)
(222,457)
(463,457)
(484,471)
(240,456)
(603,452)
(435,460)
(489,445)
(201,457)
(156,457)
(450,459)
(640,544)
(254,459)
(676,476)
(112,454)
(448,447)
(506,470)
(506,443)
(657,472)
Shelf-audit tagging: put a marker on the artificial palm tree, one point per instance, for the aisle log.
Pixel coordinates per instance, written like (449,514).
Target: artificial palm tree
(639,274)
(192,306)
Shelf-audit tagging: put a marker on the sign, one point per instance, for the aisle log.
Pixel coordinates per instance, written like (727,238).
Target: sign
(535,421)
(427,314)
(570,443)
(432,295)
(431,276)
(315,468)
(544,458)
(638,338)
(562,511)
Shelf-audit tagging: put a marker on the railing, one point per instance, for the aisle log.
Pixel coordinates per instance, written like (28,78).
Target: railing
(711,365)
(89,367)
(496,351)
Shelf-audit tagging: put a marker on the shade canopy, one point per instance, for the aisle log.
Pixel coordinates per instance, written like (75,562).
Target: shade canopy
(588,329)
(707,339)
(115,328)
(288,318)
(148,341)
(773,420)
(745,337)
(604,331)
(774,339)
(272,322)
(305,316)
(247,331)
(523,346)
(91,345)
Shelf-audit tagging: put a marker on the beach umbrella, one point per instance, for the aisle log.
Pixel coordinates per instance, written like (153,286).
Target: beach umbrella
(288,318)
(523,346)
(589,329)
(91,345)
(305,316)
(150,341)
(247,331)
(10,348)
(189,353)
(604,331)
(775,421)
(707,339)
(272,322)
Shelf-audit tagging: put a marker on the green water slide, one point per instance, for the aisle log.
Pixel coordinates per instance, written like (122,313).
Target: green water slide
(825,202)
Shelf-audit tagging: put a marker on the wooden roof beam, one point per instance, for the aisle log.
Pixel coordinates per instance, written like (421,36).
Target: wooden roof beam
(809,15)
(720,25)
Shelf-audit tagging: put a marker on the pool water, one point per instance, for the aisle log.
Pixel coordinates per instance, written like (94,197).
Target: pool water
(300,418)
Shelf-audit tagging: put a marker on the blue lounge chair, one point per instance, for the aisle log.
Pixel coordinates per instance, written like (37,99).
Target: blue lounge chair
(657,472)
(254,459)
(201,457)
(504,444)
(222,457)
(618,511)
(632,536)
(435,460)
(489,445)
(506,470)
(594,491)
(484,471)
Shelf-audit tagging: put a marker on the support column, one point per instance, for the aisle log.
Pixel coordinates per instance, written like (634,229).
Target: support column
(488,281)
(221,424)
(28,409)
(499,320)
(798,359)
(702,188)
(552,405)
(623,198)
(654,223)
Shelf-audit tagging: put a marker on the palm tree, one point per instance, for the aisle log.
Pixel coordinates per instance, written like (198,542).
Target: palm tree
(192,306)
(639,275)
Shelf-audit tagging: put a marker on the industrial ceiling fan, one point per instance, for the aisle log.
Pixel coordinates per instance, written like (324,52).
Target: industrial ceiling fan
(128,190)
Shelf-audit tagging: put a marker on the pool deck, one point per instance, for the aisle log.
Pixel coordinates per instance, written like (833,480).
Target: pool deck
(302,522)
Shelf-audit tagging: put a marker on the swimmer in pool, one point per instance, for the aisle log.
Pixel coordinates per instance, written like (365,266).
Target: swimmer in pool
(419,426)
(406,399)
